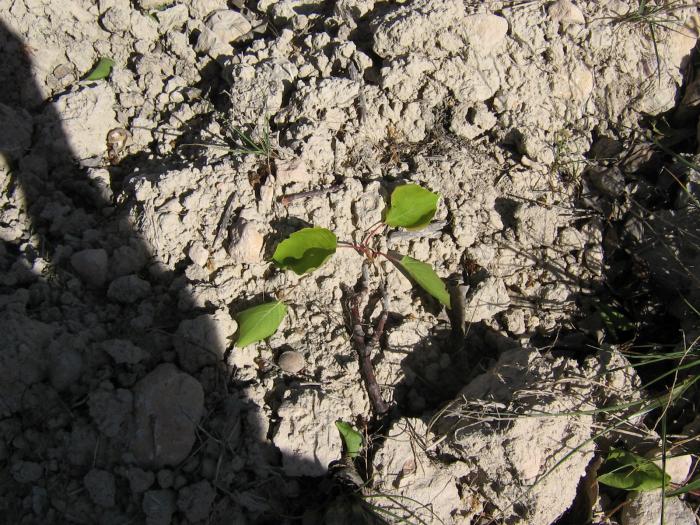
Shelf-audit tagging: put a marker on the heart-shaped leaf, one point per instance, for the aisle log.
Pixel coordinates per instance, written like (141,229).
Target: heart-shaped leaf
(259,322)
(101,70)
(424,275)
(351,438)
(412,207)
(628,471)
(305,250)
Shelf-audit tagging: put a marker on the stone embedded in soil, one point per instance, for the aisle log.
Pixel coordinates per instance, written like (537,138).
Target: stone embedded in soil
(124,351)
(565,12)
(195,500)
(66,367)
(101,487)
(139,480)
(291,172)
(87,115)
(306,436)
(26,471)
(198,254)
(246,243)
(644,508)
(168,404)
(128,289)
(291,362)
(488,298)
(200,342)
(91,266)
(111,410)
(221,28)
(158,506)
(485,31)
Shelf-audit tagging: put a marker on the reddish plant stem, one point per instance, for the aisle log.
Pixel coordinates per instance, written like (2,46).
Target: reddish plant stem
(363,348)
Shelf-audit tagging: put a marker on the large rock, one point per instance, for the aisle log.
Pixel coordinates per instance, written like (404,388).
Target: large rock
(167,407)
(644,508)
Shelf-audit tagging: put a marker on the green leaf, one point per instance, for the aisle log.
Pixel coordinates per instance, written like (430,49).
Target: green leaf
(351,438)
(628,471)
(305,250)
(693,485)
(426,278)
(412,207)
(101,70)
(259,322)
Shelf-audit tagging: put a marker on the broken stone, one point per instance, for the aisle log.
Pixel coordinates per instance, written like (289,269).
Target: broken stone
(128,289)
(158,506)
(167,407)
(488,298)
(291,172)
(644,508)
(111,410)
(201,341)
(246,243)
(91,266)
(101,487)
(221,28)
(65,369)
(565,12)
(139,480)
(123,351)
(198,254)
(195,500)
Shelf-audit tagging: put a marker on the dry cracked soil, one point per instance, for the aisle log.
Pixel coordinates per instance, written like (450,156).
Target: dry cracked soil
(139,210)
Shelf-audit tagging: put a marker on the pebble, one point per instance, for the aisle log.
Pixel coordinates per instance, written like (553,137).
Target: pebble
(195,500)
(91,266)
(291,362)
(158,506)
(101,487)
(565,12)
(139,480)
(198,254)
(65,368)
(485,31)
(128,289)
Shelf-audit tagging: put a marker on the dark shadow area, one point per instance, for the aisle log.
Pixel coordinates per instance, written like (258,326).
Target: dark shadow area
(115,406)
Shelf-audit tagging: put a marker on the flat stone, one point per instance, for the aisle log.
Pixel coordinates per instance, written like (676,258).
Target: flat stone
(291,362)
(168,404)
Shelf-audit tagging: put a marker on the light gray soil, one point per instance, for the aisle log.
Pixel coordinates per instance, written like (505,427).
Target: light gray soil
(131,239)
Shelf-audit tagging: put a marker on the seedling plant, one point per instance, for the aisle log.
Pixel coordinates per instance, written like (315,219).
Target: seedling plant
(411,207)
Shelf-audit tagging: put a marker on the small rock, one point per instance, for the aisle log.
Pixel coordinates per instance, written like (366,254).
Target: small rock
(111,410)
(644,508)
(246,243)
(128,289)
(609,181)
(485,31)
(101,487)
(65,368)
(167,407)
(199,342)
(488,298)
(291,362)
(165,478)
(677,467)
(158,506)
(124,351)
(606,148)
(26,471)
(139,480)
(195,500)
(565,12)
(91,266)
(291,171)
(198,254)
(221,28)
